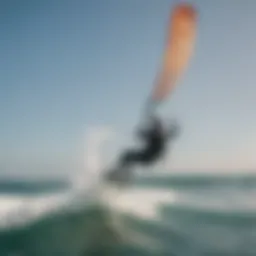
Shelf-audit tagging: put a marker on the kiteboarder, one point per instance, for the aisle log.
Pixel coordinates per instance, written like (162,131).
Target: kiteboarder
(177,53)
(156,138)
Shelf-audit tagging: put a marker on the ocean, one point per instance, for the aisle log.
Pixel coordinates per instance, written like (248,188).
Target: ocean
(176,215)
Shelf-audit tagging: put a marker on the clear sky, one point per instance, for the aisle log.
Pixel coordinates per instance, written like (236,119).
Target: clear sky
(67,66)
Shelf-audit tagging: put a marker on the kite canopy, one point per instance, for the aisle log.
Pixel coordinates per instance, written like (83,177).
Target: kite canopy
(178,50)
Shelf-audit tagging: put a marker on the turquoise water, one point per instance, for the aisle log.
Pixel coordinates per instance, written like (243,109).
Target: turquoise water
(160,215)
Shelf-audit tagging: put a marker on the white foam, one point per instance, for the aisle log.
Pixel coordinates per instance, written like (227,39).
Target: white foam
(20,210)
(143,203)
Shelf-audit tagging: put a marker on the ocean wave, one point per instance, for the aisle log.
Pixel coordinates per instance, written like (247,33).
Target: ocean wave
(134,221)
(197,181)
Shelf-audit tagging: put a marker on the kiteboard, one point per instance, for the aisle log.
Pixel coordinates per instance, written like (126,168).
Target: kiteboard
(118,177)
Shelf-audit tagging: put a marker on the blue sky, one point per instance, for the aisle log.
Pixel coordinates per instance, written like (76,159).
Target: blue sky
(67,66)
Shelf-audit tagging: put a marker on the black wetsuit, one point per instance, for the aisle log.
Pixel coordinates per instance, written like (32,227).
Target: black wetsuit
(155,140)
